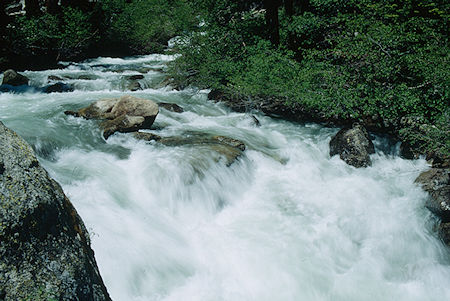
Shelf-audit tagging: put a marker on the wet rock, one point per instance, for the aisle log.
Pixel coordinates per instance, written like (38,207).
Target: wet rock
(173,107)
(407,151)
(122,124)
(134,86)
(58,88)
(45,251)
(54,78)
(81,77)
(444,233)
(99,109)
(353,146)
(135,77)
(121,113)
(227,148)
(146,136)
(256,121)
(133,106)
(436,182)
(11,77)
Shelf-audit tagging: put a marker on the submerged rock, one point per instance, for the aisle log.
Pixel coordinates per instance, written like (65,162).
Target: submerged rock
(228,148)
(146,136)
(124,114)
(45,251)
(173,107)
(134,86)
(58,88)
(12,78)
(353,146)
(135,77)
(54,78)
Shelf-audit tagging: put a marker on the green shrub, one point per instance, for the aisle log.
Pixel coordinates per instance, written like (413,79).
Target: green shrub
(67,34)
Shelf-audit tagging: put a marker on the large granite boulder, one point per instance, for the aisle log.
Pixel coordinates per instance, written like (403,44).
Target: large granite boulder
(124,114)
(12,78)
(353,146)
(45,251)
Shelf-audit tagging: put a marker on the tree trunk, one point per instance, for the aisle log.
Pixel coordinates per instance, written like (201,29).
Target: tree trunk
(81,4)
(52,6)
(32,8)
(303,5)
(289,7)
(272,21)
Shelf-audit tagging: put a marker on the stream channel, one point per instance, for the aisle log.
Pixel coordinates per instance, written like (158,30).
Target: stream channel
(283,222)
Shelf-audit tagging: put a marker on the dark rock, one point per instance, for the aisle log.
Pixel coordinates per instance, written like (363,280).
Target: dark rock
(436,182)
(256,121)
(135,77)
(272,106)
(407,151)
(54,78)
(81,77)
(134,86)
(72,113)
(173,107)
(45,251)
(11,77)
(58,88)
(353,146)
(444,233)
(146,136)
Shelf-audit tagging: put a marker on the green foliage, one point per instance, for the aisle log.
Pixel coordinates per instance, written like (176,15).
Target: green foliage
(147,25)
(352,60)
(68,34)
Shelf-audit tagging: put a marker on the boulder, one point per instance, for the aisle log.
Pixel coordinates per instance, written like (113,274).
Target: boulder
(11,77)
(436,182)
(227,148)
(173,107)
(58,88)
(124,114)
(100,109)
(45,251)
(122,124)
(353,146)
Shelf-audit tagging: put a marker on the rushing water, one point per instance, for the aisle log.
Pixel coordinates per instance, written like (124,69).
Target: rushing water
(285,222)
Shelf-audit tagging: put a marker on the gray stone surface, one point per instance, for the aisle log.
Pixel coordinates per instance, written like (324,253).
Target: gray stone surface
(12,78)
(45,251)
(353,146)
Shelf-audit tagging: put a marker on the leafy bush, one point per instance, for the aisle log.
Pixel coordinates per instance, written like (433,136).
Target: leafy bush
(349,60)
(67,34)
(147,25)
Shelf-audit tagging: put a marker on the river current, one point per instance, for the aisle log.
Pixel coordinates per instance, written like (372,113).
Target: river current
(284,222)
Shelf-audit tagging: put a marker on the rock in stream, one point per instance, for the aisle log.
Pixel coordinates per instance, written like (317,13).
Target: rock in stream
(45,251)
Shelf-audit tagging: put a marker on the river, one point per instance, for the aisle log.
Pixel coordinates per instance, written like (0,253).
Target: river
(284,222)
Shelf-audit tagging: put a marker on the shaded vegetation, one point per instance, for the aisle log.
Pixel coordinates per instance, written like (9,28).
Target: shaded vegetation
(383,63)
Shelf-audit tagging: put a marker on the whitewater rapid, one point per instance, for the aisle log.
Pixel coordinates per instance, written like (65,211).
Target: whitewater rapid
(284,222)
